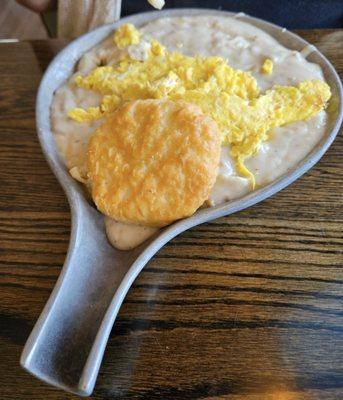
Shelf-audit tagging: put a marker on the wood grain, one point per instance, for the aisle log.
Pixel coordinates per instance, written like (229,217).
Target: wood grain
(245,307)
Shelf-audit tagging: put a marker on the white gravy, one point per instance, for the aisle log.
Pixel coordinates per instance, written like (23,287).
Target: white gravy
(125,236)
(245,47)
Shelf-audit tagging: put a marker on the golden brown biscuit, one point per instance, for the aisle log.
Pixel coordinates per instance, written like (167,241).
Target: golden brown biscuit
(153,161)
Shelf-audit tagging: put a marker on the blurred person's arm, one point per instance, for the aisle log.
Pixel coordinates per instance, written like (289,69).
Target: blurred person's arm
(77,17)
(39,6)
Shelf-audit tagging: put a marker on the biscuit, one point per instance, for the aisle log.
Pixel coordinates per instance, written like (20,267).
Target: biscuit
(153,161)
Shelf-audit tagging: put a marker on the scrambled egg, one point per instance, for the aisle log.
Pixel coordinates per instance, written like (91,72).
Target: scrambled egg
(232,97)
(125,35)
(267,66)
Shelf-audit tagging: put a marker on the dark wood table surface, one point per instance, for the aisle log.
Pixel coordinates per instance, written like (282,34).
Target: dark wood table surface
(245,307)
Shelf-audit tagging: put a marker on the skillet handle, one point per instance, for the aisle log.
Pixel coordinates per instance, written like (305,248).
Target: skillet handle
(66,346)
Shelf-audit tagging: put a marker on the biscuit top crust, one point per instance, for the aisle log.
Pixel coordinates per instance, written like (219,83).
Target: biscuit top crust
(153,161)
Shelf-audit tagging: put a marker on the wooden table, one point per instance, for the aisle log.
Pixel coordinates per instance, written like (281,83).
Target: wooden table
(245,307)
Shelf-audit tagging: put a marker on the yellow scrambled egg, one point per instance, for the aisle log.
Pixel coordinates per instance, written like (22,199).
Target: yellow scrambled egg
(267,66)
(232,97)
(125,35)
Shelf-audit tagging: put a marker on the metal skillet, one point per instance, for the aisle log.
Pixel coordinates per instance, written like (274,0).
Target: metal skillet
(66,346)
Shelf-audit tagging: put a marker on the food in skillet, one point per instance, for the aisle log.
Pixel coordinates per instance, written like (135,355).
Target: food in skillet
(143,124)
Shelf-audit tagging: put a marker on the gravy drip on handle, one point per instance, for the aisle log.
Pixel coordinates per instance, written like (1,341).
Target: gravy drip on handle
(246,48)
